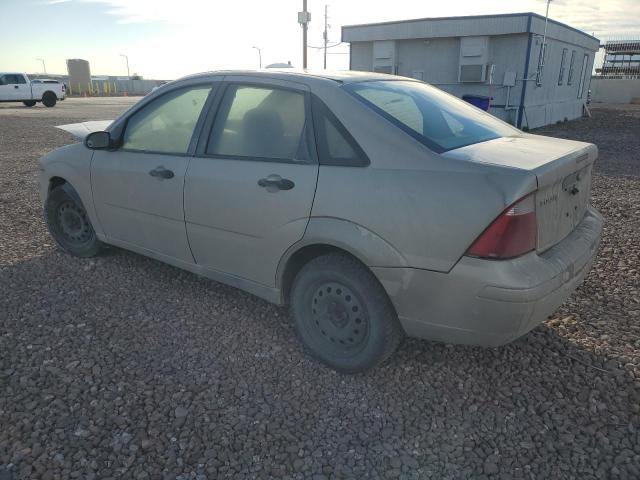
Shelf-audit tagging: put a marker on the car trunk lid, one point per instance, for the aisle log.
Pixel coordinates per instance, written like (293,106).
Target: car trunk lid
(81,130)
(563,172)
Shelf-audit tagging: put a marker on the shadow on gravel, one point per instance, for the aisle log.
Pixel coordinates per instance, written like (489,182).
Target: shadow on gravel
(120,364)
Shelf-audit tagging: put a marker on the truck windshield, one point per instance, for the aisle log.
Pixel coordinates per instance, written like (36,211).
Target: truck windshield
(440,121)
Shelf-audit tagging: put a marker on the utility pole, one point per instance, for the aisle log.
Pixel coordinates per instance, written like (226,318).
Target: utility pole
(44,67)
(325,36)
(304,17)
(543,49)
(546,21)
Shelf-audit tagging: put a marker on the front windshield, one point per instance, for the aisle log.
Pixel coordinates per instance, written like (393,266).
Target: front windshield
(439,120)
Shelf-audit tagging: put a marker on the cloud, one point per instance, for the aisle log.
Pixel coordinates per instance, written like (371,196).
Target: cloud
(608,17)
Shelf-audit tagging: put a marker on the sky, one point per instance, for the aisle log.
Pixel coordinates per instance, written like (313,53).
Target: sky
(167,39)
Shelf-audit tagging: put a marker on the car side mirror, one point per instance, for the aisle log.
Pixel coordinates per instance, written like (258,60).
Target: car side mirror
(98,140)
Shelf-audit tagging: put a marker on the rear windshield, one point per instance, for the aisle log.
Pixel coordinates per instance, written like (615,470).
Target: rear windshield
(440,121)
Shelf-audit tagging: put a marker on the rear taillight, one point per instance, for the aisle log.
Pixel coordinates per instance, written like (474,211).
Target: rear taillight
(510,235)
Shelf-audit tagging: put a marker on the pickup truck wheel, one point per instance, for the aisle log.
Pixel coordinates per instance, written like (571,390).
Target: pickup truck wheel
(49,99)
(343,315)
(29,103)
(69,224)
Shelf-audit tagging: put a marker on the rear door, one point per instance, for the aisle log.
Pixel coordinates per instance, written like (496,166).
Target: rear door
(250,188)
(138,188)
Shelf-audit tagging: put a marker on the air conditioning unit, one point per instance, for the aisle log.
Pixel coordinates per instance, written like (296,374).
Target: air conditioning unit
(473,73)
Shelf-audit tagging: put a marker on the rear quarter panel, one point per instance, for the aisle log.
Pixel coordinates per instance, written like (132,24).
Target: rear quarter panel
(38,89)
(427,207)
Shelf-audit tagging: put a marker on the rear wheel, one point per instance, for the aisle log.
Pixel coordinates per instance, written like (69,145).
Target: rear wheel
(29,103)
(343,315)
(69,224)
(49,99)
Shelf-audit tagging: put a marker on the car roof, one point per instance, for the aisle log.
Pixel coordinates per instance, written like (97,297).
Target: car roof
(306,76)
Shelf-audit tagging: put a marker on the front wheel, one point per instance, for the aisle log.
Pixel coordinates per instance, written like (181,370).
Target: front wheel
(69,224)
(49,99)
(343,315)
(29,103)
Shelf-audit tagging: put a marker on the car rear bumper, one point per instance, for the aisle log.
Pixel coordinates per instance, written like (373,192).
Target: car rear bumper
(491,302)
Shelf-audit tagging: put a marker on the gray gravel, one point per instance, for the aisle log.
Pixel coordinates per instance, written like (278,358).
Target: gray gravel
(122,367)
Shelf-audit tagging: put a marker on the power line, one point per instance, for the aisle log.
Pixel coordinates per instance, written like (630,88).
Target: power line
(328,46)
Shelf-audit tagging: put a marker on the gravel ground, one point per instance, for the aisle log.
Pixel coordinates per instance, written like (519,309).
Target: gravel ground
(123,367)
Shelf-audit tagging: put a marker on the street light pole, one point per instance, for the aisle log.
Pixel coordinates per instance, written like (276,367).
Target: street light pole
(128,76)
(44,67)
(326,36)
(259,55)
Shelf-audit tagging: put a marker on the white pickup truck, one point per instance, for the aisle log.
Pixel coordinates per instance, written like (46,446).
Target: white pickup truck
(16,87)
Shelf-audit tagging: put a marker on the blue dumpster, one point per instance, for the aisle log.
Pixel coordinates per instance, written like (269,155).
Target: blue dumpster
(478,101)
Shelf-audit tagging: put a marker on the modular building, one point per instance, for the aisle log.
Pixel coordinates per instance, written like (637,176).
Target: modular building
(497,56)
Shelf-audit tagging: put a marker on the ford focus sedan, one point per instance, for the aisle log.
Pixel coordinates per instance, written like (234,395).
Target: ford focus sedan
(374,206)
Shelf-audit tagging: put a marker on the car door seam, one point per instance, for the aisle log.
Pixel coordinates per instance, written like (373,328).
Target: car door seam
(184,211)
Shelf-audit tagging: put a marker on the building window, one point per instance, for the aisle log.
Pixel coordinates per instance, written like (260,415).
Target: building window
(583,74)
(561,76)
(573,57)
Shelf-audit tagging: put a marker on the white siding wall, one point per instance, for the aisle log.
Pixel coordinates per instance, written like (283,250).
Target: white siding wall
(436,57)
(607,90)
(431,48)
(550,102)
(438,61)
(362,56)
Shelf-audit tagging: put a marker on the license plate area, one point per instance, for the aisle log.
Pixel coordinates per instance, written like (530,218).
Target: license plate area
(560,207)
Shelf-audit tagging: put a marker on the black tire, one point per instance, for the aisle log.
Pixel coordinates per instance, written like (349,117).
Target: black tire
(29,103)
(343,315)
(49,99)
(69,224)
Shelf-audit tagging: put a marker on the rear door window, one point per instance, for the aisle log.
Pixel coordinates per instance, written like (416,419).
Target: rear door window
(260,122)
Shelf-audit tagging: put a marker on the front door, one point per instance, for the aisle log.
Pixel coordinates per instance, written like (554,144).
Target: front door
(14,87)
(138,188)
(250,187)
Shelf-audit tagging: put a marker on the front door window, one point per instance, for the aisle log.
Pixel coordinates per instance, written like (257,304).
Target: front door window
(167,124)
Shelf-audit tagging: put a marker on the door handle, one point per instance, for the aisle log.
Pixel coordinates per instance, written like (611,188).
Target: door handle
(161,172)
(276,182)
(15,86)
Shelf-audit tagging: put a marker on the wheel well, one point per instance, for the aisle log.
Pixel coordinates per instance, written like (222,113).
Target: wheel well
(300,258)
(55,182)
